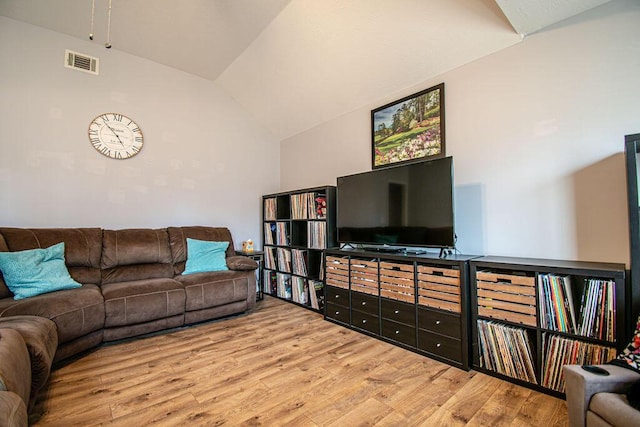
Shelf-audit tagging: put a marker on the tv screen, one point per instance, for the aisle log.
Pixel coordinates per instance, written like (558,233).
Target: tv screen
(410,205)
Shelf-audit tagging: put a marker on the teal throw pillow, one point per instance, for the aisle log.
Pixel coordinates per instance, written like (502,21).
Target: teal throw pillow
(204,256)
(36,271)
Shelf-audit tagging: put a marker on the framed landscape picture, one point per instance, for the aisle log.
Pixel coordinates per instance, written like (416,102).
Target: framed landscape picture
(409,130)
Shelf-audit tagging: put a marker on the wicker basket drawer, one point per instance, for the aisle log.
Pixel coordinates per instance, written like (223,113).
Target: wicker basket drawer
(396,293)
(392,269)
(336,263)
(397,281)
(439,288)
(338,281)
(506,278)
(364,265)
(364,276)
(506,296)
(439,274)
(364,288)
(338,266)
(337,272)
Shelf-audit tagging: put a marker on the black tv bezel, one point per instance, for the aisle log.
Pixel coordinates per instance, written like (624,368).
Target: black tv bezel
(377,245)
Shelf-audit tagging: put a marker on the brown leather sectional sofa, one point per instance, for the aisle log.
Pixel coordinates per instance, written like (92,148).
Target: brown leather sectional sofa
(132,284)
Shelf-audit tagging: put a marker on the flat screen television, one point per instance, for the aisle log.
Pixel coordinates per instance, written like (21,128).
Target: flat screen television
(408,205)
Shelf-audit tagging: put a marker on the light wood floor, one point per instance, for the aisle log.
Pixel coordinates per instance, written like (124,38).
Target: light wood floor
(280,365)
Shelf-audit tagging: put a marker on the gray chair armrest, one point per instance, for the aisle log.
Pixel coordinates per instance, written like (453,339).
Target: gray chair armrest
(582,385)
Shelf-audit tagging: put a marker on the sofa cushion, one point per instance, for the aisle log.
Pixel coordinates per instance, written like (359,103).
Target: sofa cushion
(15,370)
(76,312)
(128,331)
(614,409)
(211,289)
(128,303)
(178,242)
(135,254)
(36,271)
(203,256)
(41,337)
(83,247)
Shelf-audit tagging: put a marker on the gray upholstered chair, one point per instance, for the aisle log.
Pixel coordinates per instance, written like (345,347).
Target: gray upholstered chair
(598,400)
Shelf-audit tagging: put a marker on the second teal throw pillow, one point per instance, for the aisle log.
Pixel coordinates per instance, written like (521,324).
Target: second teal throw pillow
(204,256)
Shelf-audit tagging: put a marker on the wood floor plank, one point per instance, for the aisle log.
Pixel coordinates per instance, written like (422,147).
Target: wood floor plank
(278,365)
(503,406)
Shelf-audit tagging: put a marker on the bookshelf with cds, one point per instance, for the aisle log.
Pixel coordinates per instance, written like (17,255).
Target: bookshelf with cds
(297,227)
(531,316)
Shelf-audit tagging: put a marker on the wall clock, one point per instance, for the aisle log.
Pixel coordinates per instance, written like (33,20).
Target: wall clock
(115,135)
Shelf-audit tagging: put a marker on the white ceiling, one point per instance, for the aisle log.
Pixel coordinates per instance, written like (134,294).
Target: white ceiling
(293,64)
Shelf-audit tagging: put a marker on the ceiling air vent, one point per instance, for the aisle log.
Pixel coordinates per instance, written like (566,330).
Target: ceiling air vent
(80,62)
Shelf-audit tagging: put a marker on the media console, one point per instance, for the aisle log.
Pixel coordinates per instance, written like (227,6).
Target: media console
(518,319)
(418,302)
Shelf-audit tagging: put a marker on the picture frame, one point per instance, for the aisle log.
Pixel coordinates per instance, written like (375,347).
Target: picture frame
(409,130)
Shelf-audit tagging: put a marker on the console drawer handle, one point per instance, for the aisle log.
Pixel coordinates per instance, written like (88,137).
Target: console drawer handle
(437,322)
(364,303)
(364,321)
(396,311)
(337,312)
(438,345)
(397,332)
(337,296)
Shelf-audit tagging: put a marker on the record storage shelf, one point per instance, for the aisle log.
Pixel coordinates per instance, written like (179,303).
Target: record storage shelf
(297,226)
(515,302)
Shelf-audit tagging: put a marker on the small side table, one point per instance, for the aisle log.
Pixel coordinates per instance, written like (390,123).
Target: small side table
(257,256)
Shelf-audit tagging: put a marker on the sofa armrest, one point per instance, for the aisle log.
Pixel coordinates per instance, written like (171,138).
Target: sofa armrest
(15,366)
(241,263)
(13,412)
(582,385)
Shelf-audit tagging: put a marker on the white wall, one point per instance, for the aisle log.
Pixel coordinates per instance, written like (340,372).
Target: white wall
(204,162)
(536,132)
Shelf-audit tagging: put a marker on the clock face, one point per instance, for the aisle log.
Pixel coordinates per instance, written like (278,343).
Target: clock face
(115,135)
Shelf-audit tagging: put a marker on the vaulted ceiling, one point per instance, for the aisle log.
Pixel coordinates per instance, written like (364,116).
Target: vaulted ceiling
(293,64)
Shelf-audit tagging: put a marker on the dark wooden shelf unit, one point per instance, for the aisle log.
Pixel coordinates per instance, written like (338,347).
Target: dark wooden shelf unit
(290,232)
(507,296)
(418,302)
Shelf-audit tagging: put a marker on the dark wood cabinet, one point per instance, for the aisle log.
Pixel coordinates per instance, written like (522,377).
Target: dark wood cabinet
(418,302)
(531,316)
